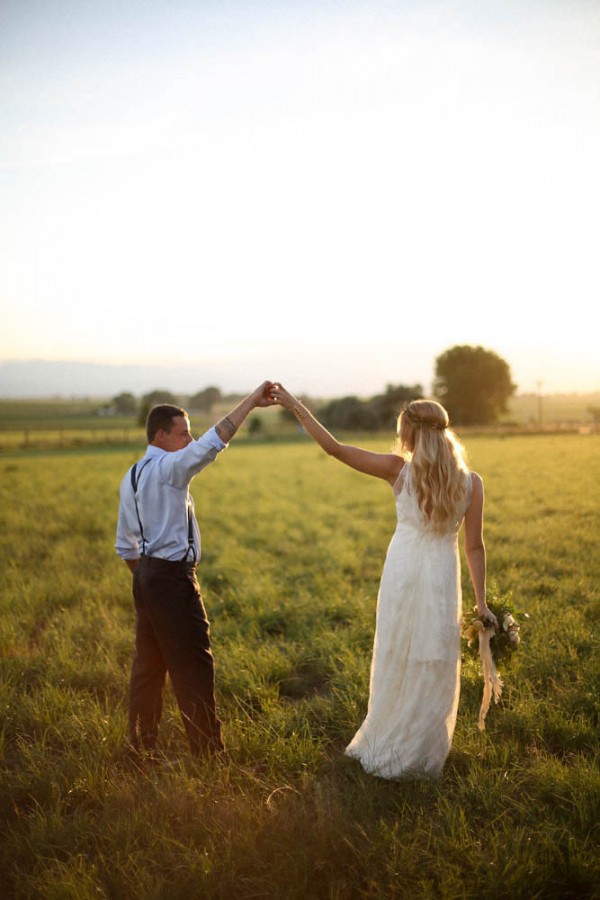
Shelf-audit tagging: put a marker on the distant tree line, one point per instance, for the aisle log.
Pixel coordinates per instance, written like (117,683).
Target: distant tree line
(474,384)
(127,404)
(377,413)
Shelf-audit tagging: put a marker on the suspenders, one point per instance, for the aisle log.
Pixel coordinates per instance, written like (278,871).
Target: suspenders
(190,546)
(135,480)
(134,485)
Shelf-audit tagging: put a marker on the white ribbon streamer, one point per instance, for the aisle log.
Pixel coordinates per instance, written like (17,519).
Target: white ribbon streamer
(492,683)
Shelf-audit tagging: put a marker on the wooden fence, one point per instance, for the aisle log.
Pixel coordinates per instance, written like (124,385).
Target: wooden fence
(57,438)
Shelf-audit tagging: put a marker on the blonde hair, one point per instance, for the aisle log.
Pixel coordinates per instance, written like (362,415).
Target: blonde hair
(438,462)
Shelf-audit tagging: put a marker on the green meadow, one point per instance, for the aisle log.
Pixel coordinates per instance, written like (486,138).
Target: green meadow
(293,545)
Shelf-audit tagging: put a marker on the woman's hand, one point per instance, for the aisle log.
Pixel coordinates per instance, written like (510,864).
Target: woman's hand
(280,396)
(262,395)
(485,613)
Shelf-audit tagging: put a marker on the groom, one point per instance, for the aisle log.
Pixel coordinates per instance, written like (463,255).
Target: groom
(159,539)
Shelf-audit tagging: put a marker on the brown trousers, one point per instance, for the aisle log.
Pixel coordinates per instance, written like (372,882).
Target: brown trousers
(172,635)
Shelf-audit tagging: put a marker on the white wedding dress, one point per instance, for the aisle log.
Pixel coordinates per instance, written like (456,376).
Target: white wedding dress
(415,671)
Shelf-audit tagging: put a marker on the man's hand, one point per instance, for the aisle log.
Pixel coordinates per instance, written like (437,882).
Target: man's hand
(262,395)
(228,426)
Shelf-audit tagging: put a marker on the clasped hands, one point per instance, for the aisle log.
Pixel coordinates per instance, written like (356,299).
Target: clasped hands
(271,393)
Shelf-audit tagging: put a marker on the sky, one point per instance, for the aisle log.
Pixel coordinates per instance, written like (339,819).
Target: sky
(326,193)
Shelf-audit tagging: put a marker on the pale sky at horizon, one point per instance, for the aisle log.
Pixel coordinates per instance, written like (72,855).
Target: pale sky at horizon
(233,180)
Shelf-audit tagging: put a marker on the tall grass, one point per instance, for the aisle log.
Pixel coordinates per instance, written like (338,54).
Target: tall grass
(293,546)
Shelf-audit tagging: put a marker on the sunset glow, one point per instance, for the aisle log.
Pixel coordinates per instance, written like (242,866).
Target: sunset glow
(280,185)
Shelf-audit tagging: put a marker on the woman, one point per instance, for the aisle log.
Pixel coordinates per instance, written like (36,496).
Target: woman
(415,671)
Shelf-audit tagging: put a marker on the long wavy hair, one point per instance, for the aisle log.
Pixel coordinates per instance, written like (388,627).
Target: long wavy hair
(438,461)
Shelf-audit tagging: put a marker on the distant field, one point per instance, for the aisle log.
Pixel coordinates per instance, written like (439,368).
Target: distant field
(293,546)
(48,424)
(553,409)
(37,424)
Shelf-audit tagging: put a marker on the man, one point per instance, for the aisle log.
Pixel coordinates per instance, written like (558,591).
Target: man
(159,539)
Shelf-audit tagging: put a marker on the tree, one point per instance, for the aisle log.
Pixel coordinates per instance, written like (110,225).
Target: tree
(387,406)
(160,396)
(153,399)
(594,412)
(204,400)
(350,413)
(379,412)
(125,404)
(255,426)
(473,384)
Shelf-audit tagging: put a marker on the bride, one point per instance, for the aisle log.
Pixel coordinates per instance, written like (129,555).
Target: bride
(415,670)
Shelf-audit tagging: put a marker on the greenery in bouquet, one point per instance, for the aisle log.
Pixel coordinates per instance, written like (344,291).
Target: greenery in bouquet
(504,641)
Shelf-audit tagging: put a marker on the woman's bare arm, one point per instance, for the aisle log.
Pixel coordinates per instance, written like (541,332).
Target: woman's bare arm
(380,465)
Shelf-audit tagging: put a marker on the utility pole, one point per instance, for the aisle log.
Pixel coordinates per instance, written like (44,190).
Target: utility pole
(539,385)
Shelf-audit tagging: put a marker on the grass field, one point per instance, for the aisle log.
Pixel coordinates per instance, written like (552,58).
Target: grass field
(293,546)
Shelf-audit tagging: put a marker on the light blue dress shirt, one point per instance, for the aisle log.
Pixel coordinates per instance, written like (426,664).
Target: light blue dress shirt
(164,501)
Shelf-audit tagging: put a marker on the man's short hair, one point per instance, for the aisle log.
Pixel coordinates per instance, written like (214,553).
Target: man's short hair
(162,416)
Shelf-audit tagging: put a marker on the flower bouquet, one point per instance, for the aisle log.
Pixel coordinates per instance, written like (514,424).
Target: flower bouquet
(492,647)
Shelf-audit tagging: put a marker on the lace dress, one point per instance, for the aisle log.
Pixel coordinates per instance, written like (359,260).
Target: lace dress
(415,671)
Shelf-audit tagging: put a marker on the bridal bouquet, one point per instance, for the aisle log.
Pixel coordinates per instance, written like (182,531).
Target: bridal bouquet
(492,647)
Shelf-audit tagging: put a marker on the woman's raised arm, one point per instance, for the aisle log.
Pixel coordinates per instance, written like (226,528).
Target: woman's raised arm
(380,465)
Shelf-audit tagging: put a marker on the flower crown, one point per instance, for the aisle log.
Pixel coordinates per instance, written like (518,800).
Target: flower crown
(424,421)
